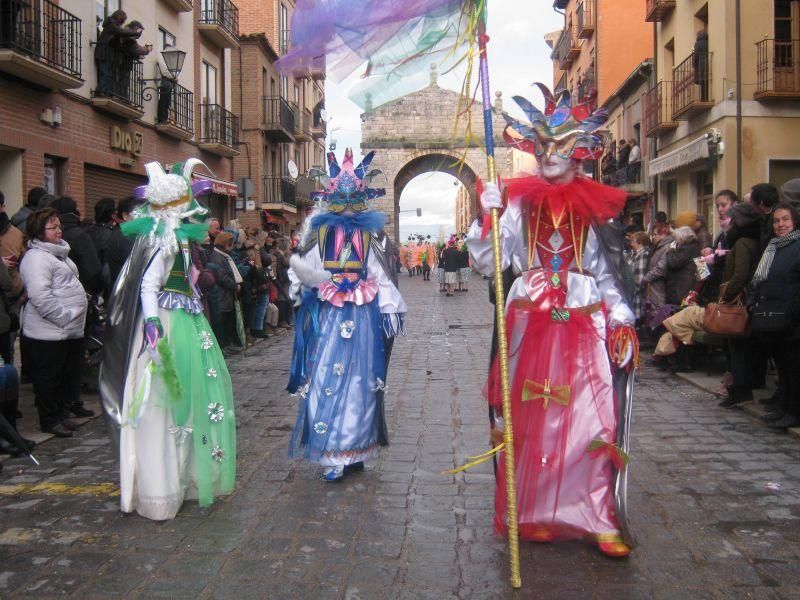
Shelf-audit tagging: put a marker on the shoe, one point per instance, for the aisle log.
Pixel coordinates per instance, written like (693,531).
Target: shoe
(772,417)
(81,412)
(333,474)
(258,334)
(448,294)
(58,430)
(736,396)
(615,549)
(356,467)
(70,424)
(10,449)
(785,423)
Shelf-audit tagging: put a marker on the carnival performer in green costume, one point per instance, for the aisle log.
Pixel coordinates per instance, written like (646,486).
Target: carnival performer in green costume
(176,417)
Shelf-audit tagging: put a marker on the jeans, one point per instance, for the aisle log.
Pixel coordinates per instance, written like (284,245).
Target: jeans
(259,312)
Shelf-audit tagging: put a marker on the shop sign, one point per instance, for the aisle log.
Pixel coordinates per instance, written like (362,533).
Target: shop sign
(690,153)
(126,141)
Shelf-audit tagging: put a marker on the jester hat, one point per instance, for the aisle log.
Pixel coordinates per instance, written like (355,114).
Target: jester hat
(347,187)
(570,130)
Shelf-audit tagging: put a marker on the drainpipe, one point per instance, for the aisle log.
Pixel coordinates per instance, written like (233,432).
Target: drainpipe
(738,98)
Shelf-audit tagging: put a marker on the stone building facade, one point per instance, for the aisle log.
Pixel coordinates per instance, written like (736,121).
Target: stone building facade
(418,133)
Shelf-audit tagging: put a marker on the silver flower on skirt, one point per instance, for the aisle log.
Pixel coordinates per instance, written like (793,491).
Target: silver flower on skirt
(211,373)
(206,341)
(320,428)
(180,433)
(216,412)
(347,327)
(338,368)
(216,453)
(380,384)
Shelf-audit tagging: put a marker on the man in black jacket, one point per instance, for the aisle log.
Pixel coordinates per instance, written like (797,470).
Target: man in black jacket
(119,245)
(107,52)
(82,250)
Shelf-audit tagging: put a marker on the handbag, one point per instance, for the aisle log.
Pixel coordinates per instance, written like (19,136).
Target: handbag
(722,318)
(770,317)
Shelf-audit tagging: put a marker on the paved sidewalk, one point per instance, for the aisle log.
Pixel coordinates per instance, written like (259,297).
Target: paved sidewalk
(714,500)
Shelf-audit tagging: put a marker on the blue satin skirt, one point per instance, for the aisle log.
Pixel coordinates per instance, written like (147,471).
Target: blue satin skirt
(341,417)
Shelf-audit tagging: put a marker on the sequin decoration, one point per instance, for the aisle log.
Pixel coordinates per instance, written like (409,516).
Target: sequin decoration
(216,453)
(556,240)
(329,391)
(206,340)
(320,428)
(211,373)
(216,412)
(556,262)
(180,433)
(347,329)
(338,368)
(205,440)
(380,384)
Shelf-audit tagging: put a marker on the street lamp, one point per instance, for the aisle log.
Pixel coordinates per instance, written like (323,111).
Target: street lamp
(173,58)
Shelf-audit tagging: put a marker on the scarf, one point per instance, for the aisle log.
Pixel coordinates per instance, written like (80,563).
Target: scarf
(764,265)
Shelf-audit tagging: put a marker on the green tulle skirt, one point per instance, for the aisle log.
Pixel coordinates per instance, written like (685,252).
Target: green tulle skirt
(179,436)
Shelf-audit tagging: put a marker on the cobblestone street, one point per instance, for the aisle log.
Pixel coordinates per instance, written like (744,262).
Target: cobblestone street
(714,500)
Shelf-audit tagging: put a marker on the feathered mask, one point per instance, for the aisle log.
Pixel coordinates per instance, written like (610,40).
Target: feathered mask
(170,198)
(345,187)
(570,131)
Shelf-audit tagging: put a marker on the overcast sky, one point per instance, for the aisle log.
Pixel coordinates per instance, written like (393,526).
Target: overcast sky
(518,56)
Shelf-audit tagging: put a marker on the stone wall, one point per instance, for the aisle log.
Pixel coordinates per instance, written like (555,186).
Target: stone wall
(420,133)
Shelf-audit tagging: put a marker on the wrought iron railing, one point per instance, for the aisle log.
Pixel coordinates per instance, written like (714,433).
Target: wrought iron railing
(175,105)
(44,31)
(221,12)
(777,66)
(691,82)
(119,75)
(278,112)
(219,126)
(585,13)
(563,51)
(658,108)
(280,190)
(302,120)
(656,9)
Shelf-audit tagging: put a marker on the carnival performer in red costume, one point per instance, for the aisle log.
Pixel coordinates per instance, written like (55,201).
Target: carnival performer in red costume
(571,341)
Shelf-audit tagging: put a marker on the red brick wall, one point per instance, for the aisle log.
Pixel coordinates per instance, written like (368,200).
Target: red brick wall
(83,137)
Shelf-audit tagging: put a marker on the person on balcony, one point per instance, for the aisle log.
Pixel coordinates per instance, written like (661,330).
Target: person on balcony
(130,53)
(700,63)
(622,163)
(634,162)
(166,89)
(107,51)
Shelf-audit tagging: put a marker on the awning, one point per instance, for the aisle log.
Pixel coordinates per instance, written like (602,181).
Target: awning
(685,155)
(219,186)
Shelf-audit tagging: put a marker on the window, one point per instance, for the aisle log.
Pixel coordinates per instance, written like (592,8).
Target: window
(283,24)
(103,9)
(297,97)
(672,197)
(165,39)
(705,195)
(53,177)
(783,20)
(284,86)
(208,83)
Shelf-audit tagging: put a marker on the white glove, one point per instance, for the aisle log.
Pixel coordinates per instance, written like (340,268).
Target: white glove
(491,197)
(627,358)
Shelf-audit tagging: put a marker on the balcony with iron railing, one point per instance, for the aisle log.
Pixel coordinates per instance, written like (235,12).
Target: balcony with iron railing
(219,130)
(302,124)
(656,10)
(319,129)
(692,92)
(40,42)
(175,110)
(119,82)
(658,110)
(280,193)
(777,70)
(566,50)
(586,22)
(278,121)
(180,5)
(219,22)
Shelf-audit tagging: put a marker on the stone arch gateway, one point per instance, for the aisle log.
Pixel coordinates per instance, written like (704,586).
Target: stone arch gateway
(417,134)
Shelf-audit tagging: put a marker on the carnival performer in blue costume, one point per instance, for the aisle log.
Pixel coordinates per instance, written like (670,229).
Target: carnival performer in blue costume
(349,312)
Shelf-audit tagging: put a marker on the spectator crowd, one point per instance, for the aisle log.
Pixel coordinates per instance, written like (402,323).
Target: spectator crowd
(58,270)
(749,273)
